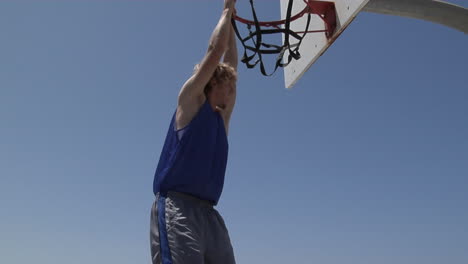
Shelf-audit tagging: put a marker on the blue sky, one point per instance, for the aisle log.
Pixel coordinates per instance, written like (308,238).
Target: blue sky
(364,161)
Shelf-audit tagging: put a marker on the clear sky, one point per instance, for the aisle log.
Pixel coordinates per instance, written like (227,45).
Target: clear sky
(364,161)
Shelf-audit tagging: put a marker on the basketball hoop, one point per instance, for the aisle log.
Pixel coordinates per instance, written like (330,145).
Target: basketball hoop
(325,10)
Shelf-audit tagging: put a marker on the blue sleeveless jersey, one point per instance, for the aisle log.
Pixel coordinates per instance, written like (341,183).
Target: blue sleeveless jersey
(193,159)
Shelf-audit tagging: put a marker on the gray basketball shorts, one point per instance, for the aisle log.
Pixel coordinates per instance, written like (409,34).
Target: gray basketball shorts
(188,230)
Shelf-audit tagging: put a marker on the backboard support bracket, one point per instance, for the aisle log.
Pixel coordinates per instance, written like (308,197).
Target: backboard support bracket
(327,12)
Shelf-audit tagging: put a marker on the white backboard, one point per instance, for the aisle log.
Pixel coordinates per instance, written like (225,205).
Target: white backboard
(315,44)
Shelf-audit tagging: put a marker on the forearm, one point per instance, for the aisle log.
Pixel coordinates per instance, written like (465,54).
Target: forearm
(230,57)
(220,36)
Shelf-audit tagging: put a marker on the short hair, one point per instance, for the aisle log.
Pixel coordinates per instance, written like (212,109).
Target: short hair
(223,72)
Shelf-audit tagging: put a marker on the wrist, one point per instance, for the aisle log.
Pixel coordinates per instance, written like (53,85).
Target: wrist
(228,8)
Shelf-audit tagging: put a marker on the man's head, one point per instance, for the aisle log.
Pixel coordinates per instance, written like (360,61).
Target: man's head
(221,85)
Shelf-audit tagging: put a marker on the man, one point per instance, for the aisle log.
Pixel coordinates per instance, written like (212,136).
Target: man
(185,228)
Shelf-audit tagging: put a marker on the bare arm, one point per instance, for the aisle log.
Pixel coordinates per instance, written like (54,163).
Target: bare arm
(191,95)
(231,58)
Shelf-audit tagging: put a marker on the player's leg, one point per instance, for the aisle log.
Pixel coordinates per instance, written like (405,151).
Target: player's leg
(174,239)
(219,248)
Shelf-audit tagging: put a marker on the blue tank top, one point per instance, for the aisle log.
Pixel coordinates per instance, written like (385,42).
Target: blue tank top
(193,159)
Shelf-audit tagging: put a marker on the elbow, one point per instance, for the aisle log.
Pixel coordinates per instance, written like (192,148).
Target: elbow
(217,45)
(211,47)
(216,50)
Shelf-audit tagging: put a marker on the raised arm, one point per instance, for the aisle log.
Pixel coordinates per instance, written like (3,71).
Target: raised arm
(231,58)
(191,95)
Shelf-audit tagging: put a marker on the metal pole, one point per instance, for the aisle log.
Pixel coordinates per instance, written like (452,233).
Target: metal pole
(440,12)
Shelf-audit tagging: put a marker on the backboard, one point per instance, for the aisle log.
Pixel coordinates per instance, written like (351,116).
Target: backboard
(315,44)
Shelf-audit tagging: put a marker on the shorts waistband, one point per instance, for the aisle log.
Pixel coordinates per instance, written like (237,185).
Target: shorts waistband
(191,198)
